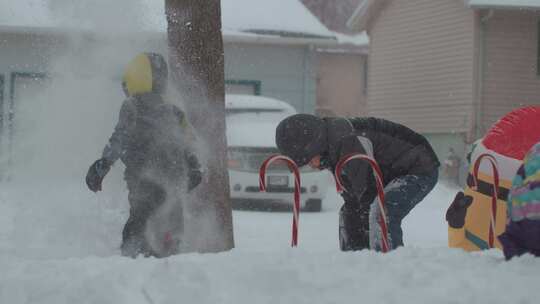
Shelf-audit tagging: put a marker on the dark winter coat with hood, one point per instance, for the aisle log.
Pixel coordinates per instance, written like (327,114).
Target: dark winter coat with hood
(152,138)
(398,150)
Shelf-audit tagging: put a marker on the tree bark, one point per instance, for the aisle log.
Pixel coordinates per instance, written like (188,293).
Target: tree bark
(197,68)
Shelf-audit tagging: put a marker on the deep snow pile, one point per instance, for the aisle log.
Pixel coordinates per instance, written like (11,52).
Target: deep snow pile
(281,276)
(58,244)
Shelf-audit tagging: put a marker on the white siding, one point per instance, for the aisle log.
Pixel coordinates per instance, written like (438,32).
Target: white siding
(421,64)
(510,64)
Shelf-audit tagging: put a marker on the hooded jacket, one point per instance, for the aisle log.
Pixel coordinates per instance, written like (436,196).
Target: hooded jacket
(397,149)
(151,135)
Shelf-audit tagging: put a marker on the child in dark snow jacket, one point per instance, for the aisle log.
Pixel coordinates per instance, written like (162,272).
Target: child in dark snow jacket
(522,233)
(154,141)
(408,163)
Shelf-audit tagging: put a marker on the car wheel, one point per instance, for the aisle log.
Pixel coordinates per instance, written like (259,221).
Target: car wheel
(313,205)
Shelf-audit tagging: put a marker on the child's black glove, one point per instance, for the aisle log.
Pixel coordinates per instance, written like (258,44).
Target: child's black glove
(455,215)
(96,173)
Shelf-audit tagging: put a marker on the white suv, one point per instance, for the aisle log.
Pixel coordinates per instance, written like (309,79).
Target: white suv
(251,128)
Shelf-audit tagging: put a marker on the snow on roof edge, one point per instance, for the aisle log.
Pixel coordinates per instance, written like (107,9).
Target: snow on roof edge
(229,36)
(294,21)
(360,39)
(504,4)
(361,16)
(289,16)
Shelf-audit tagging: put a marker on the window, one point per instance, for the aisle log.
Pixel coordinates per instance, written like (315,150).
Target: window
(23,87)
(247,87)
(23,102)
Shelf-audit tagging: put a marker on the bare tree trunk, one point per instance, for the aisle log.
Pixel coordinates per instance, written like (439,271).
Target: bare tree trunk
(196,59)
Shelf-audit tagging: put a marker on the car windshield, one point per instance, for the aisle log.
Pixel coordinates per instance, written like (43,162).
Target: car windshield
(253,127)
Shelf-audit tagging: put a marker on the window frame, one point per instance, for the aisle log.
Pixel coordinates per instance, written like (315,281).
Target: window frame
(11,107)
(13,78)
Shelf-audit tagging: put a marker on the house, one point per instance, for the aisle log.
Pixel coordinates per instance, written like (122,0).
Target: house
(270,49)
(264,54)
(450,68)
(54,50)
(341,76)
(341,73)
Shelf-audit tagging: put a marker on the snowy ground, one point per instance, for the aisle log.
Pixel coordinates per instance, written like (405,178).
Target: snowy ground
(59,244)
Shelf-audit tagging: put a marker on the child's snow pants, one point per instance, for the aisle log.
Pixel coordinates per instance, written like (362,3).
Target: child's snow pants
(402,194)
(145,197)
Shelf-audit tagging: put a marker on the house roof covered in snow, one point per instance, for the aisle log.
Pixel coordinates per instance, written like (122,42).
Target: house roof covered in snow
(289,17)
(244,20)
(348,44)
(505,4)
(368,9)
(361,39)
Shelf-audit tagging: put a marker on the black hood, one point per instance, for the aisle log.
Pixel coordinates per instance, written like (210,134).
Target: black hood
(302,137)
